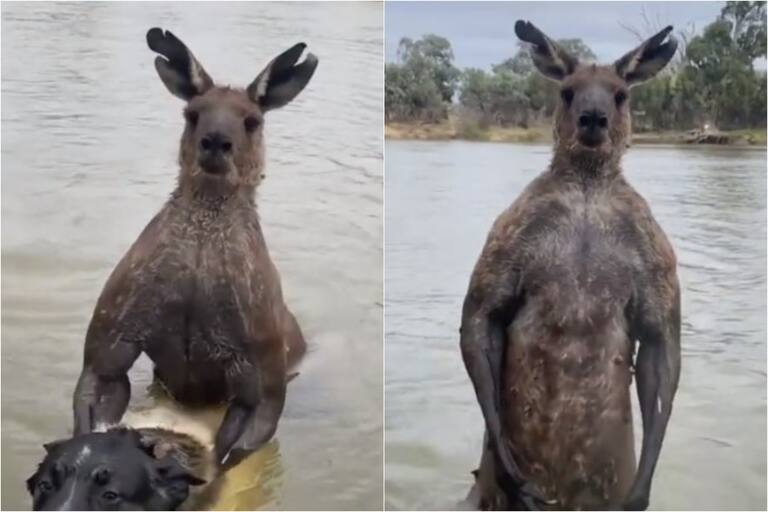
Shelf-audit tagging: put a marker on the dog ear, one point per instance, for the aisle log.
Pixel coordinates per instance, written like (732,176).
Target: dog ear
(49,447)
(173,480)
(32,482)
(170,468)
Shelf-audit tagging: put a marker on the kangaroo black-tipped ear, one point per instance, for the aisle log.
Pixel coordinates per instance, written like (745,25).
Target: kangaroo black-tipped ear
(181,73)
(282,80)
(548,57)
(645,61)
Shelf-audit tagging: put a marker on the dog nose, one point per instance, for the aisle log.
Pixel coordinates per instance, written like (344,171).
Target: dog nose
(592,119)
(215,142)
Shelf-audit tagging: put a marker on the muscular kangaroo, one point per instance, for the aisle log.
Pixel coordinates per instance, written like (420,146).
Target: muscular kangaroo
(198,291)
(574,275)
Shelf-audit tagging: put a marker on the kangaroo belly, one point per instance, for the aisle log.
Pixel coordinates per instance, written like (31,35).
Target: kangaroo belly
(202,347)
(567,409)
(201,341)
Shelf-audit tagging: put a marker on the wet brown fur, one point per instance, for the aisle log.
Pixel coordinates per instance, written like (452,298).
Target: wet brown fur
(572,274)
(198,291)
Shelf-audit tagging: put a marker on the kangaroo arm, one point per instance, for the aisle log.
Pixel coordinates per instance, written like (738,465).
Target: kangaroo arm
(99,400)
(103,389)
(253,414)
(657,374)
(482,348)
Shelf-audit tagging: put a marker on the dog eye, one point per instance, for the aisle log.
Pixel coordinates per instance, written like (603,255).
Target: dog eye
(44,486)
(567,95)
(191,116)
(110,496)
(251,123)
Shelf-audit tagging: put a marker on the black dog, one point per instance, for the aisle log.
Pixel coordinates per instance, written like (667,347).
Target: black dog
(148,466)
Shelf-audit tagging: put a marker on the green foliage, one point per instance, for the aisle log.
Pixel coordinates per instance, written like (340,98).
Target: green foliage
(717,77)
(747,25)
(422,84)
(714,82)
(514,94)
(410,94)
(499,97)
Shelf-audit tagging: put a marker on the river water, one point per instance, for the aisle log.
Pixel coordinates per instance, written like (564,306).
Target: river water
(441,199)
(89,141)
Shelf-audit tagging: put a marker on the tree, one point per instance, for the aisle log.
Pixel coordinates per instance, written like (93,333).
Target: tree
(433,53)
(712,79)
(422,84)
(409,94)
(522,64)
(497,97)
(720,71)
(540,92)
(747,24)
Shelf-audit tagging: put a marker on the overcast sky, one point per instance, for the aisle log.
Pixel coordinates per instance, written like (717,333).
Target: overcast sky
(482,33)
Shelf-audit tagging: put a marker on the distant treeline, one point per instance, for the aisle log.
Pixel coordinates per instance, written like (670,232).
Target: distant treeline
(712,80)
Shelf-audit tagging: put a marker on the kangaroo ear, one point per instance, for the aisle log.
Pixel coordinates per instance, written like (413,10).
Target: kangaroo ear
(181,73)
(645,61)
(282,80)
(548,57)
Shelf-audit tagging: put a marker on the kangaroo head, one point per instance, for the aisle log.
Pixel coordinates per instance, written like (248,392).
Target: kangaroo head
(592,121)
(222,148)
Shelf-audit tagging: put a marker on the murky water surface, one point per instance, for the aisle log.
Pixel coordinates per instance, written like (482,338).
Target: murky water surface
(441,201)
(89,141)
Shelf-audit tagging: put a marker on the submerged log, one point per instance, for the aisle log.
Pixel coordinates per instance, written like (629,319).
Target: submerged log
(707,137)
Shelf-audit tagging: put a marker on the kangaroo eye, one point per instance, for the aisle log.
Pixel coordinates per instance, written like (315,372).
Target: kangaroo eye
(567,95)
(44,486)
(191,116)
(621,97)
(251,123)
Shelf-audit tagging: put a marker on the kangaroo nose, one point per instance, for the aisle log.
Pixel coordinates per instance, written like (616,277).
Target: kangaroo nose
(593,119)
(215,142)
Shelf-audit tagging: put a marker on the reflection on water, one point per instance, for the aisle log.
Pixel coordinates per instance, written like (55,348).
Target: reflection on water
(441,201)
(89,146)
(253,483)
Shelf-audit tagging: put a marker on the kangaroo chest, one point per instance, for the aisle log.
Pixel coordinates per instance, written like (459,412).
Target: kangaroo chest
(197,302)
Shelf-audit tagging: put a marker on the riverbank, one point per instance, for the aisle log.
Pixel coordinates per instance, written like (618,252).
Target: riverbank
(451,130)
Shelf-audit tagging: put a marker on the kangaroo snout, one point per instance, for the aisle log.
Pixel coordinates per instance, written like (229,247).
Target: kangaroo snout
(593,127)
(215,142)
(213,150)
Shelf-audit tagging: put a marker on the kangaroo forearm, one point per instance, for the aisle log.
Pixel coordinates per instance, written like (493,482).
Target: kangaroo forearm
(656,382)
(252,416)
(99,400)
(246,428)
(232,427)
(647,391)
(482,347)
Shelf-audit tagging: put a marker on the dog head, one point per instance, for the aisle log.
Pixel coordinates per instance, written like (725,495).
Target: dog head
(113,470)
